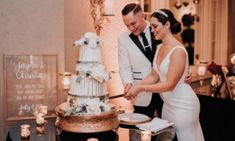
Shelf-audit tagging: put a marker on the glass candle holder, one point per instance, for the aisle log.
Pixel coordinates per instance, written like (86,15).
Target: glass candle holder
(92,139)
(145,135)
(66,80)
(201,71)
(43,109)
(40,129)
(40,120)
(25,131)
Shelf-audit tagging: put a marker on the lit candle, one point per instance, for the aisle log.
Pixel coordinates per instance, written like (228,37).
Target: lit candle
(201,70)
(66,82)
(40,119)
(108,7)
(232,58)
(43,109)
(40,130)
(145,135)
(92,139)
(25,131)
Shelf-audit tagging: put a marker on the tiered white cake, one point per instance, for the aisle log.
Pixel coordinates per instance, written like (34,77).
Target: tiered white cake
(87,94)
(87,109)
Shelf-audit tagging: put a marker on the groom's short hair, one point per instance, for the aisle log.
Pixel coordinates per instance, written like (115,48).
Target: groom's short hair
(131,7)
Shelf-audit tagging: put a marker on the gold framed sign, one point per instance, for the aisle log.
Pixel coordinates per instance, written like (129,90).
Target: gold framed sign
(30,81)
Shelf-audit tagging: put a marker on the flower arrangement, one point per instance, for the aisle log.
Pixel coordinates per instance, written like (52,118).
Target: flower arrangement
(217,78)
(232,84)
(86,106)
(214,68)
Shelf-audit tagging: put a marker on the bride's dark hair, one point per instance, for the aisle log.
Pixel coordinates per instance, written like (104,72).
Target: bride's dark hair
(164,15)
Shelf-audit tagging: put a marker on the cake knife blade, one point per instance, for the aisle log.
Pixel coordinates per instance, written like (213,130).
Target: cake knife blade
(116,96)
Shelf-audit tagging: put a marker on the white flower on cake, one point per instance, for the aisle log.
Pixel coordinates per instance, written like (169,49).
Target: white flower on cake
(90,40)
(88,85)
(93,70)
(90,45)
(88,106)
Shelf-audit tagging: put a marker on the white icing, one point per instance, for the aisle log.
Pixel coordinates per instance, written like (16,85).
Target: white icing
(88,86)
(90,48)
(95,70)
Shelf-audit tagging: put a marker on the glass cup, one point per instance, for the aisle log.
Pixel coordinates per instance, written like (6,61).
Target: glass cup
(40,124)
(43,110)
(145,135)
(40,120)
(40,130)
(25,131)
(92,139)
(201,71)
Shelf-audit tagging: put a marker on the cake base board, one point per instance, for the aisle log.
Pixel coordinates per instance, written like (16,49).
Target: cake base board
(87,123)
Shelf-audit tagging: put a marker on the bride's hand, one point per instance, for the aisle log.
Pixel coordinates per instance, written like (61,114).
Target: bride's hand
(188,78)
(133,92)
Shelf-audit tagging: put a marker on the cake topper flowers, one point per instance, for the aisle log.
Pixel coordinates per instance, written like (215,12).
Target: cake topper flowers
(89,40)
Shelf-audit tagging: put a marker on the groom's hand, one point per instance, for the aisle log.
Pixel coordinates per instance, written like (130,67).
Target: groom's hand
(126,89)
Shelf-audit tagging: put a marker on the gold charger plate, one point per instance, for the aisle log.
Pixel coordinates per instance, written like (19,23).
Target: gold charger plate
(133,118)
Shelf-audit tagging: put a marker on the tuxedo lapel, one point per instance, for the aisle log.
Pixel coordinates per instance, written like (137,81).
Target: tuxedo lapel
(136,40)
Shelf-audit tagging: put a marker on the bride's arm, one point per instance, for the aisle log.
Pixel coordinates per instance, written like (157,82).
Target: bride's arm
(150,79)
(175,71)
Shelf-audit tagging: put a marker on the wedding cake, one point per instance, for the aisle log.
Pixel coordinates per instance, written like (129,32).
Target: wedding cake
(87,108)
(87,94)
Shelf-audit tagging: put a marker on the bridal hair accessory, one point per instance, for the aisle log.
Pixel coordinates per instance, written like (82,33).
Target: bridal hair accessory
(161,12)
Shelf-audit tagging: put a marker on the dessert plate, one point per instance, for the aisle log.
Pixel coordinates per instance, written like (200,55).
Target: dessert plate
(133,118)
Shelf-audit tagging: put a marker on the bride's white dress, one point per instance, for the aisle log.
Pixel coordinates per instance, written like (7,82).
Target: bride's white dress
(181,105)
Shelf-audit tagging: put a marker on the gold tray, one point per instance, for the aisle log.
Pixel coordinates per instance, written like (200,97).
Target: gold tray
(105,121)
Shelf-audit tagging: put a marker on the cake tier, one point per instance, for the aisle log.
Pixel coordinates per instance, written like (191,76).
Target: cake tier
(87,123)
(89,54)
(85,86)
(83,105)
(94,70)
(90,47)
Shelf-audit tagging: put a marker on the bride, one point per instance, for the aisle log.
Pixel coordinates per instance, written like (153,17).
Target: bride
(181,105)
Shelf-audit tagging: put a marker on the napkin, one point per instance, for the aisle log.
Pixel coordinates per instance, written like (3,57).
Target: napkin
(155,125)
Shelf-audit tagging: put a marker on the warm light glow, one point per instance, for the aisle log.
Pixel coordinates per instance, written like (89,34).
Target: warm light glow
(196,1)
(43,109)
(232,58)
(92,139)
(25,131)
(145,135)
(40,119)
(108,7)
(201,70)
(66,80)
(66,83)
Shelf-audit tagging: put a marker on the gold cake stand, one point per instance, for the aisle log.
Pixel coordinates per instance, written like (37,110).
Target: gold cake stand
(87,123)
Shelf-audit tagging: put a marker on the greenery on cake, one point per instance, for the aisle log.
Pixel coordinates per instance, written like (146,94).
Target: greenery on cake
(86,106)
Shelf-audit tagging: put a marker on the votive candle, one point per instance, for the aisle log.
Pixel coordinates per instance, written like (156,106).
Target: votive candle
(40,119)
(145,135)
(25,131)
(108,7)
(43,109)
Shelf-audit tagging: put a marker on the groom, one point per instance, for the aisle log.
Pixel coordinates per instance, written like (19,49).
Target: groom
(136,51)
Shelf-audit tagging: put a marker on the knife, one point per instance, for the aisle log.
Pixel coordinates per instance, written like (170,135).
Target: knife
(116,96)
